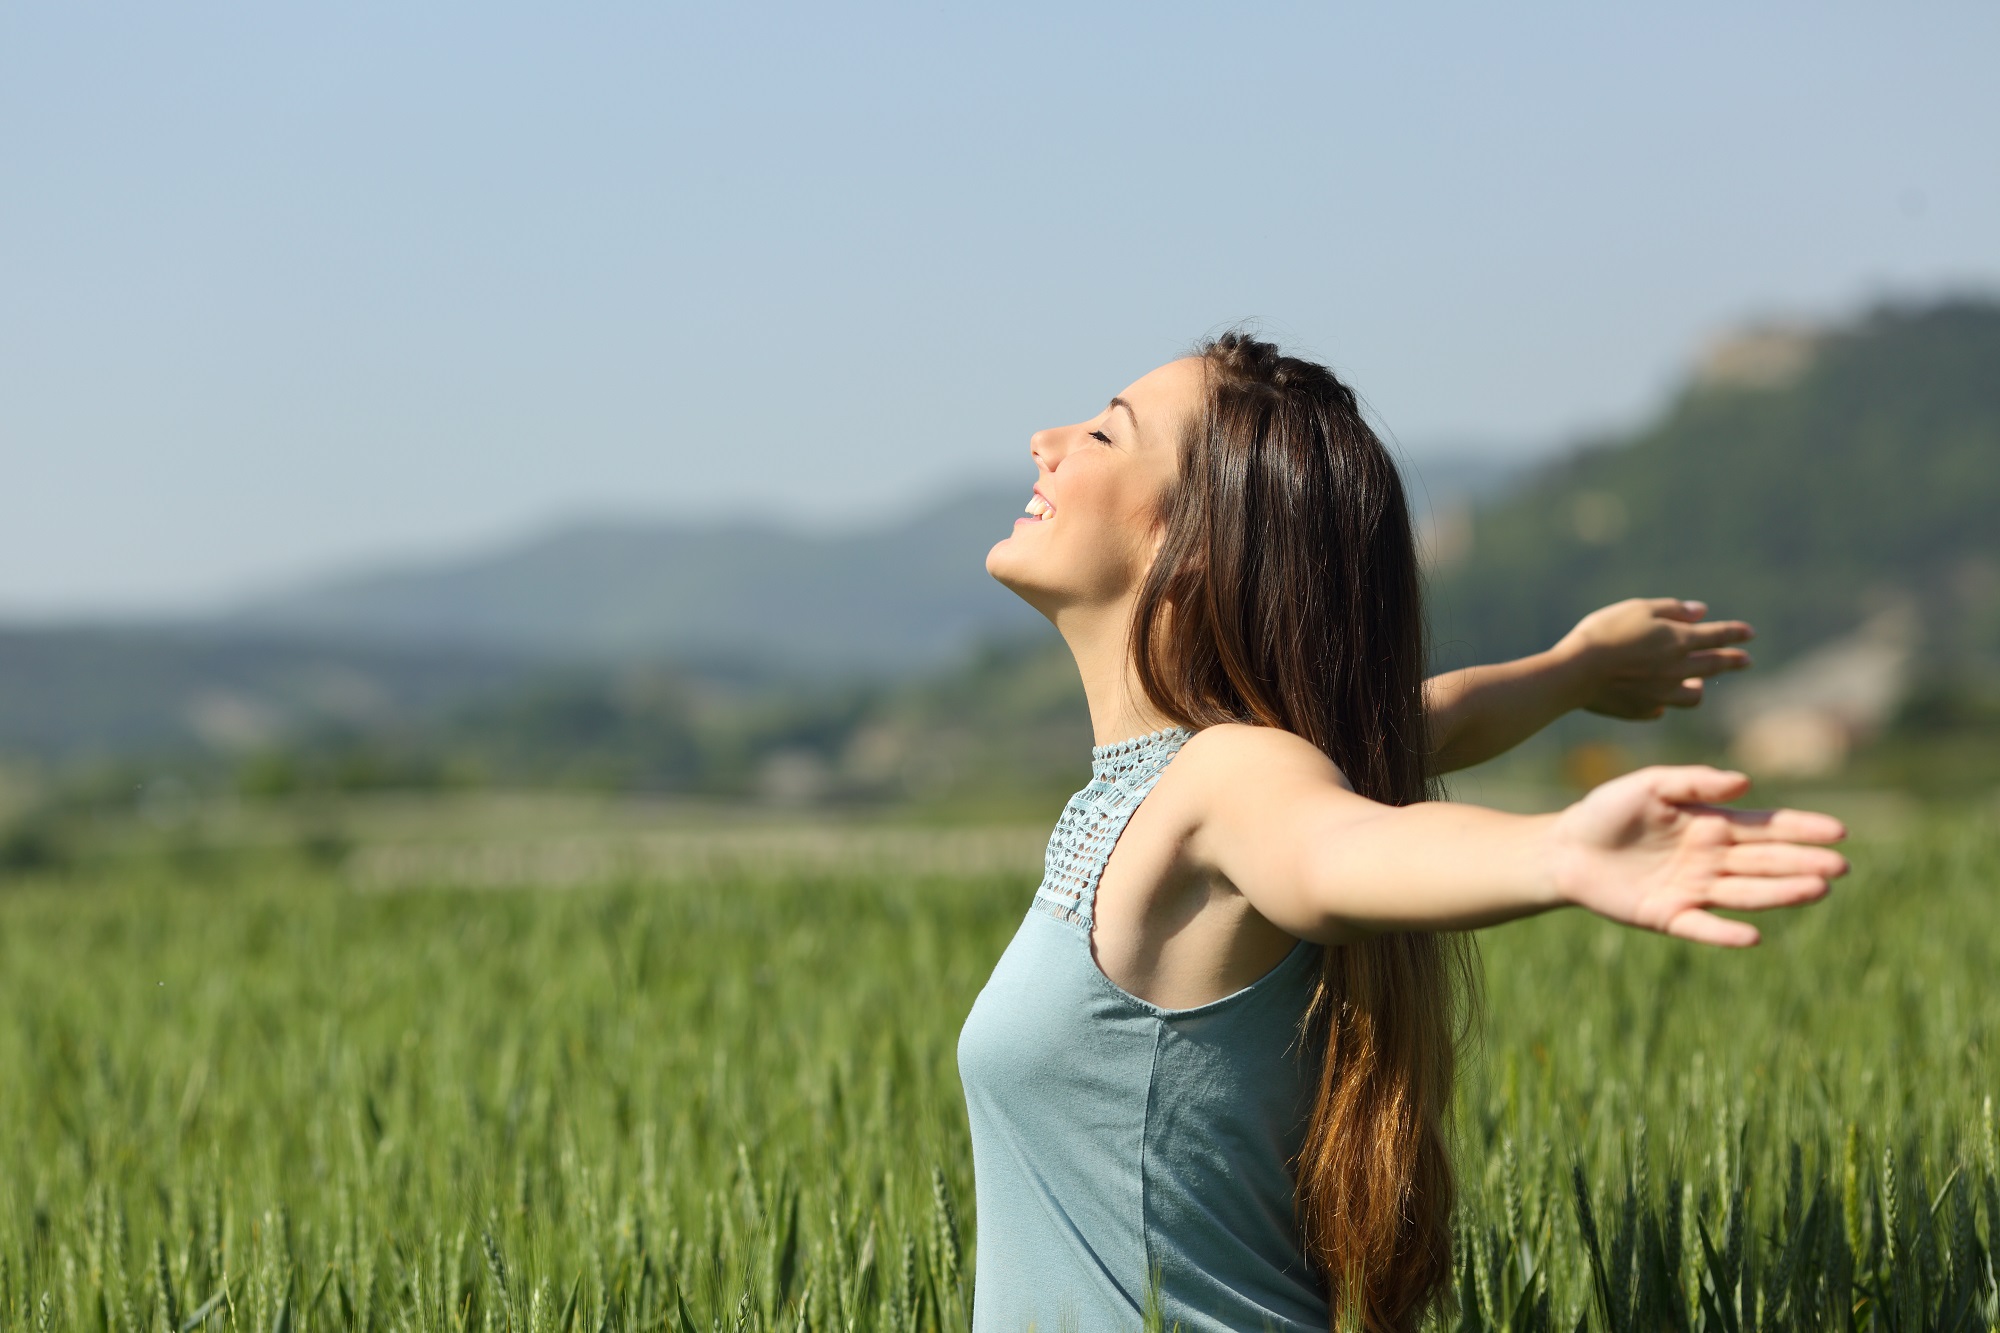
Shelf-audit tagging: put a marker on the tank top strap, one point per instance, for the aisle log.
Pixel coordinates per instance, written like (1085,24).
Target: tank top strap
(1121,775)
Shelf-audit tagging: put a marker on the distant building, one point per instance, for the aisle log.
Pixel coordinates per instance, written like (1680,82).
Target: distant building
(1802,720)
(1764,356)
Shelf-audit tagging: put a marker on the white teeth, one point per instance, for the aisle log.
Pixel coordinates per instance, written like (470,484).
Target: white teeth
(1038,507)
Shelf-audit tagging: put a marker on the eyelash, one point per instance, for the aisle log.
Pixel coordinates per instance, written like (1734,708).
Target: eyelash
(1100,436)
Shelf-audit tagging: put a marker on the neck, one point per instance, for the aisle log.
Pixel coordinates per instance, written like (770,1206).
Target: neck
(1100,639)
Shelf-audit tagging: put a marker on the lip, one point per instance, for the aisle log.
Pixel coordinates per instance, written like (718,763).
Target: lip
(1038,492)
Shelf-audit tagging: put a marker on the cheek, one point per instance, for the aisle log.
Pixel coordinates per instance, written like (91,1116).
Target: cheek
(1124,514)
(1112,532)
(1112,499)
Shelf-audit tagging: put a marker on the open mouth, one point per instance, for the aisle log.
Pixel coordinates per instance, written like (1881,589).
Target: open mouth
(1039,510)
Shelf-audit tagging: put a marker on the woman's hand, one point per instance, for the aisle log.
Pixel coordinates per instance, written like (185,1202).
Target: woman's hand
(1652,850)
(1633,659)
(1638,658)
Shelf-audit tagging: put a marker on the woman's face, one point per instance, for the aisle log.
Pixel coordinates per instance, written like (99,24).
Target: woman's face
(1092,524)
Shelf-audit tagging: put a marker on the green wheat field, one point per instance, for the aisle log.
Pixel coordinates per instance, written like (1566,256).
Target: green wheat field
(289,1081)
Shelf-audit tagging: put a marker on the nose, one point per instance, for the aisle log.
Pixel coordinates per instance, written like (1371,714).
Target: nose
(1045,447)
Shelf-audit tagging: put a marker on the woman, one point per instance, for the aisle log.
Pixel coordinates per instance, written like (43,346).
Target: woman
(1212,1069)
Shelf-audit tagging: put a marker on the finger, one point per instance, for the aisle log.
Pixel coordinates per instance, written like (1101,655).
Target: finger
(1715,661)
(1676,608)
(1696,784)
(1758,893)
(1707,928)
(1783,858)
(1717,634)
(1783,826)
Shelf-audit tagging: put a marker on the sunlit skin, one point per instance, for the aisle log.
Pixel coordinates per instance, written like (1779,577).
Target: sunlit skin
(1253,840)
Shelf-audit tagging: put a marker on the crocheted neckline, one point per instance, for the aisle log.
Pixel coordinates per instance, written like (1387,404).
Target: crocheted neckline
(1137,744)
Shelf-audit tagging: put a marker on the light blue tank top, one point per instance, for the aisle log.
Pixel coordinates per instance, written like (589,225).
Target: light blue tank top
(1116,1144)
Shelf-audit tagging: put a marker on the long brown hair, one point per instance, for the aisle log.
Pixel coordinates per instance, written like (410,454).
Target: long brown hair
(1286,593)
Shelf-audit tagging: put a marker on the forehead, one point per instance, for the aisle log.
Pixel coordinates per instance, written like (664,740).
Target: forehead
(1161,399)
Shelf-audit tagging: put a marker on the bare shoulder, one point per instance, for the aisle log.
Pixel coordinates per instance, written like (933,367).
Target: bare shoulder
(1253,798)
(1240,758)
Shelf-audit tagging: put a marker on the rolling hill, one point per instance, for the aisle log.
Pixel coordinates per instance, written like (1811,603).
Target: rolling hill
(1809,480)
(529,641)
(888,602)
(1805,479)
(891,602)
(103,692)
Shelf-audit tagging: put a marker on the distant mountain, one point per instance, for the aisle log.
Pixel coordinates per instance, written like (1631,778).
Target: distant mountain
(1809,480)
(1805,479)
(892,601)
(527,638)
(1462,474)
(101,692)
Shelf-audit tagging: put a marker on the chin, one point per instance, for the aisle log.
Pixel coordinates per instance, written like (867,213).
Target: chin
(1008,564)
(1003,561)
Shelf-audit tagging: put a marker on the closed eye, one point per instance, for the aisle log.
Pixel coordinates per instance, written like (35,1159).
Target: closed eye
(1100,437)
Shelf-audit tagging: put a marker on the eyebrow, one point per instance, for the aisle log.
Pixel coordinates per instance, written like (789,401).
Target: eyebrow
(1120,402)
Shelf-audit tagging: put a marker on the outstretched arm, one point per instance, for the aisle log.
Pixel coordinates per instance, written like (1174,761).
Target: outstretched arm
(1633,659)
(1653,849)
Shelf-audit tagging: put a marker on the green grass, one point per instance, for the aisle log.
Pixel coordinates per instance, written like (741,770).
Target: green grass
(234,1091)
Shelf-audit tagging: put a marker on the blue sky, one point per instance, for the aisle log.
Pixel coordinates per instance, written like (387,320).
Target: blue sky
(291,287)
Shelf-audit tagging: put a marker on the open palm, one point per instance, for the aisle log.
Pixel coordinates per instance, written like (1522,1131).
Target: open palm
(1654,850)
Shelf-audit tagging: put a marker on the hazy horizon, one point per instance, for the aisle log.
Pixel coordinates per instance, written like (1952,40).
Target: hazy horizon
(1450,459)
(314,291)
